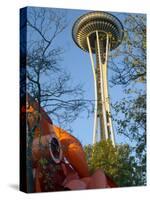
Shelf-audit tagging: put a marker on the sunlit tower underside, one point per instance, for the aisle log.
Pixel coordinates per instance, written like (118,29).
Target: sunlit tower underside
(98,33)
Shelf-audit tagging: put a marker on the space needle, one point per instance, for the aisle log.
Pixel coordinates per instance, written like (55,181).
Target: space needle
(99,33)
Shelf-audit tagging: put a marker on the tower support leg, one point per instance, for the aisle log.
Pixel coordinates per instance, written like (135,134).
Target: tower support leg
(95,92)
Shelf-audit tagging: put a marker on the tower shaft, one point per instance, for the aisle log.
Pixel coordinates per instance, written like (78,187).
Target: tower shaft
(103,123)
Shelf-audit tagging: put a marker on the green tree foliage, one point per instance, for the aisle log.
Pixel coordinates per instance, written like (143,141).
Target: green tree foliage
(132,124)
(128,63)
(117,162)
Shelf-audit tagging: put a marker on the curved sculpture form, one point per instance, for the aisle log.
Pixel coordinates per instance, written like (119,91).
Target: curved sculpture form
(98,33)
(73,151)
(58,159)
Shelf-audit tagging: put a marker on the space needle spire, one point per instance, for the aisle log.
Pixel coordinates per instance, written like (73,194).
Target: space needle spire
(98,33)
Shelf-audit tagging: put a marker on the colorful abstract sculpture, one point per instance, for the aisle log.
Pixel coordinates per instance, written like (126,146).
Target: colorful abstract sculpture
(58,159)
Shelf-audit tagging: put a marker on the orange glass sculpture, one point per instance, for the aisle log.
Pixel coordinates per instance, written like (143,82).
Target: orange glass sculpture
(58,158)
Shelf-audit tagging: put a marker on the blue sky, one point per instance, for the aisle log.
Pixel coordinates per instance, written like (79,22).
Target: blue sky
(77,63)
